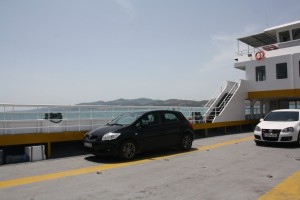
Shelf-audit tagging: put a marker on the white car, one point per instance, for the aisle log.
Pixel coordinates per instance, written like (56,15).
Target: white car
(279,126)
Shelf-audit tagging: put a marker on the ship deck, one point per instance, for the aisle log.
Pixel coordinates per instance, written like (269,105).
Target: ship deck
(228,166)
(50,139)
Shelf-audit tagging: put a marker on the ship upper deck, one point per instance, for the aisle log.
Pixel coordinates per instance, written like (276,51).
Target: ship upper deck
(274,41)
(278,34)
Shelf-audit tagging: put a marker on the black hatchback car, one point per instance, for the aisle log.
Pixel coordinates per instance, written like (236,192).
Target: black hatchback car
(136,132)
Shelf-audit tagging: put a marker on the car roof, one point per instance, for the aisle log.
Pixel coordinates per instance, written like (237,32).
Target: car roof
(163,111)
(287,110)
(149,111)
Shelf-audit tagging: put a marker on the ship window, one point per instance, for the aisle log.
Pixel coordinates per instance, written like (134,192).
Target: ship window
(281,70)
(260,72)
(296,34)
(284,36)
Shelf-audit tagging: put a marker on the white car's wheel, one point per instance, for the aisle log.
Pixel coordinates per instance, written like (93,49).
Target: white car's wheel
(258,143)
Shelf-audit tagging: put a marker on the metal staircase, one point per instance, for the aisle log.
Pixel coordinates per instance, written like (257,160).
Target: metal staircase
(220,99)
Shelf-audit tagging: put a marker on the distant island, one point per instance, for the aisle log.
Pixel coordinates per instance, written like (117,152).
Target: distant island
(149,102)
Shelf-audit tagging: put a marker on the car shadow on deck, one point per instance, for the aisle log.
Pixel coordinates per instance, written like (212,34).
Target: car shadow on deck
(151,155)
(279,145)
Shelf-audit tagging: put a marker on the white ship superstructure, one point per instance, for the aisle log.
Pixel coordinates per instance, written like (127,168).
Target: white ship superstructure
(271,61)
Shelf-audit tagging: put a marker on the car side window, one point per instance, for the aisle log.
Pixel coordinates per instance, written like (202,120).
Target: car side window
(170,118)
(149,120)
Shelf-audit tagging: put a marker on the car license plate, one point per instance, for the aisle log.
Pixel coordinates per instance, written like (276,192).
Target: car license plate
(88,145)
(270,135)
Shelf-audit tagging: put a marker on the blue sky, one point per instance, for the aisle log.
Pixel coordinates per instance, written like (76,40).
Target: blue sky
(71,51)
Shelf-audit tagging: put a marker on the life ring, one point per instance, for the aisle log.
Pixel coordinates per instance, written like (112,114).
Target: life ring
(56,121)
(54,117)
(260,55)
(270,47)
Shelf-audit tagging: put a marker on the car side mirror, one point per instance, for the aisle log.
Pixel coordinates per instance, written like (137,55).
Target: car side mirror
(261,120)
(138,125)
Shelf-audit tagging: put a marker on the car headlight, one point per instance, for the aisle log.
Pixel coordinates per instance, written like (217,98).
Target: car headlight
(257,128)
(110,136)
(288,129)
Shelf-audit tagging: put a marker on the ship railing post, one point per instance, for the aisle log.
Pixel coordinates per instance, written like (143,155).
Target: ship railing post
(248,50)
(5,123)
(105,115)
(238,46)
(261,108)
(79,127)
(67,117)
(49,150)
(13,119)
(37,120)
(92,117)
(251,109)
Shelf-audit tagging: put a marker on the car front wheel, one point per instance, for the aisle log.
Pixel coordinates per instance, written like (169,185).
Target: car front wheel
(127,150)
(258,143)
(186,142)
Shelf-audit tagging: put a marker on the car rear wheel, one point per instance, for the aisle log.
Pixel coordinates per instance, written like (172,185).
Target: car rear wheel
(127,150)
(186,142)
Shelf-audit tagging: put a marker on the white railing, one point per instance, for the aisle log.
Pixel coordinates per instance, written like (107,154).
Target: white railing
(216,94)
(230,93)
(247,52)
(212,110)
(19,119)
(253,50)
(22,119)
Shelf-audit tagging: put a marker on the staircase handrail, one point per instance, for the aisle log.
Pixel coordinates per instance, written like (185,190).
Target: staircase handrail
(231,92)
(216,94)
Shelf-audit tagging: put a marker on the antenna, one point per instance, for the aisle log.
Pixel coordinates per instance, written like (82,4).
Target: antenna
(267,19)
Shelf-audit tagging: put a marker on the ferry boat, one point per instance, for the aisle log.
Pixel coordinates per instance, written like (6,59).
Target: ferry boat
(271,61)
(272,67)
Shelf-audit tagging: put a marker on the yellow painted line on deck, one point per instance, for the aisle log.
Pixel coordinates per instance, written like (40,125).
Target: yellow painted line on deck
(289,189)
(57,175)
(235,141)
(45,177)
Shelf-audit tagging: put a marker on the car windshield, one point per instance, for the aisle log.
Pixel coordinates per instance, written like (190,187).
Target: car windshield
(282,116)
(125,119)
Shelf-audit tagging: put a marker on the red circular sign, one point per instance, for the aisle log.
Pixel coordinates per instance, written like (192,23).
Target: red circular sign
(259,55)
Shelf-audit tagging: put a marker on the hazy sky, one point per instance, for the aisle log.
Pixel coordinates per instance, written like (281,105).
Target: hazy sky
(71,51)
